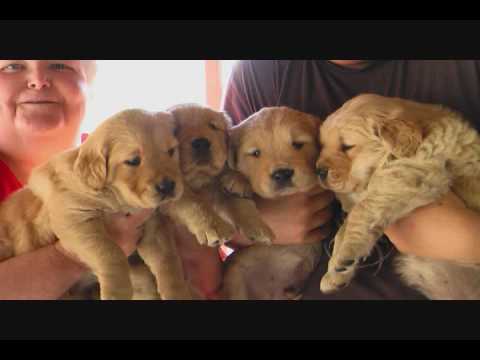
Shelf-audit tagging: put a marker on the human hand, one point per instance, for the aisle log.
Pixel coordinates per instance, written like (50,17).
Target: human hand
(300,218)
(123,229)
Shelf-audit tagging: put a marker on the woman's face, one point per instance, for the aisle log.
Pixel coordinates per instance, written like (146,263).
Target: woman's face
(41,98)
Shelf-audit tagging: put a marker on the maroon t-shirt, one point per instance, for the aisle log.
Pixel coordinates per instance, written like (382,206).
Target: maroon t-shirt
(320,87)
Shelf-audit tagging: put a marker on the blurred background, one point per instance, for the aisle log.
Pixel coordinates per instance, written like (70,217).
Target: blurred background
(154,85)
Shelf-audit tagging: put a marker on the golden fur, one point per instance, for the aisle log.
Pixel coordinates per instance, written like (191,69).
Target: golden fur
(272,140)
(204,208)
(385,157)
(120,168)
(202,168)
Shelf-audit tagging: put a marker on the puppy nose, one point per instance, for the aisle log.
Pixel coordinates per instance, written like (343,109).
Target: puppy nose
(282,175)
(201,144)
(322,173)
(166,187)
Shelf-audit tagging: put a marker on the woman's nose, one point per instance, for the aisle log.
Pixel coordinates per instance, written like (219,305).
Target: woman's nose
(38,80)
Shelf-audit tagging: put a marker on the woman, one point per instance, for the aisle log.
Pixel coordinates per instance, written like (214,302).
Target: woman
(42,104)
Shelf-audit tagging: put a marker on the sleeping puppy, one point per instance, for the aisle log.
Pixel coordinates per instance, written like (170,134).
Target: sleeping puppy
(128,163)
(385,157)
(275,151)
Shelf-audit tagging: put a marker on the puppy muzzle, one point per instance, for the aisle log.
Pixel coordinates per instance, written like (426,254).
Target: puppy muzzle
(201,150)
(166,188)
(283,177)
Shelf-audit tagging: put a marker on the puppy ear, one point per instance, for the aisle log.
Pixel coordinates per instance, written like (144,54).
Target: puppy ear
(175,122)
(228,120)
(233,142)
(312,121)
(403,136)
(91,164)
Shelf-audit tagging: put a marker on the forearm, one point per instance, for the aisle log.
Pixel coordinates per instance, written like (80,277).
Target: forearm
(201,264)
(44,274)
(439,231)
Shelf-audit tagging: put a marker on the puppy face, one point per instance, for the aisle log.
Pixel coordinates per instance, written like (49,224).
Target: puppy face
(134,155)
(202,134)
(276,149)
(363,133)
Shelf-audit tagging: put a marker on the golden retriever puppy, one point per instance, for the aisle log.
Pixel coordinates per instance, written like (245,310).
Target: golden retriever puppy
(275,151)
(203,137)
(206,211)
(201,133)
(128,163)
(385,157)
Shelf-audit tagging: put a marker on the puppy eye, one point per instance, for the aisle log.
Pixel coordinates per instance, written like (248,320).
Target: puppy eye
(345,148)
(213,126)
(256,153)
(297,145)
(171,151)
(134,161)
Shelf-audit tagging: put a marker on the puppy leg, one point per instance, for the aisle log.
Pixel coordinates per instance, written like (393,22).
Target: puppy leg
(200,219)
(85,235)
(439,280)
(408,187)
(468,189)
(157,248)
(244,214)
(237,196)
(143,281)
(234,183)
(339,278)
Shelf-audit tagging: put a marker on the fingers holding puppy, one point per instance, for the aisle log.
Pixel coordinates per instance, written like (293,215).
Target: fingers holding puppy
(126,229)
(311,220)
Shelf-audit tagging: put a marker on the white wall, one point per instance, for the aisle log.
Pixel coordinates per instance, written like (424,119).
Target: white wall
(148,84)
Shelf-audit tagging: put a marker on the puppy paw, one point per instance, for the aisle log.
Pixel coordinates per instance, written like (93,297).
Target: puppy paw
(215,232)
(257,231)
(116,293)
(234,183)
(333,281)
(180,293)
(341,268)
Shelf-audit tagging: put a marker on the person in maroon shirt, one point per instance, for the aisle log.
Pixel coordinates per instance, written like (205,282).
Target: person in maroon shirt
(445,231)
(42,104)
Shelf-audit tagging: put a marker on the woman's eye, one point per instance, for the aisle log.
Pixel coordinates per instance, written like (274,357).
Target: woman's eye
(297,145)
(133,161)
(10,68)
(59,67)
(345,147)
(256,153)
(171,152)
